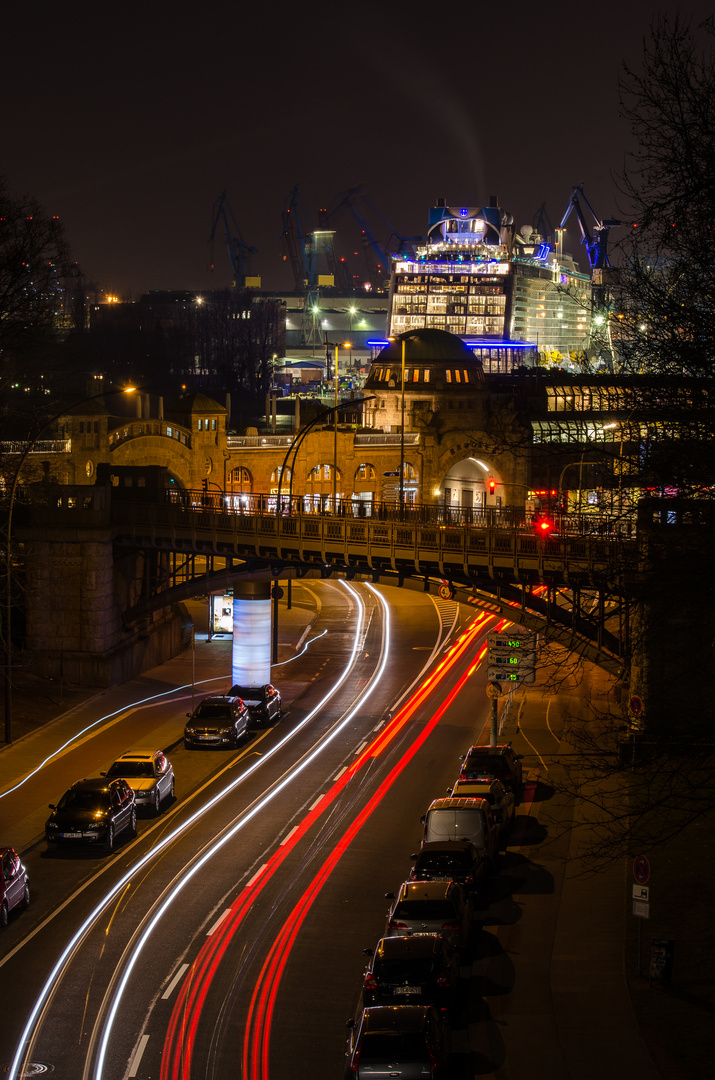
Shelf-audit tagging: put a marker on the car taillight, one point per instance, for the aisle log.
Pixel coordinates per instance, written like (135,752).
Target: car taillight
(370,982)
(395,925)
(450,926)
(432,1058)
(469,879)
(443,981)
(355,1061)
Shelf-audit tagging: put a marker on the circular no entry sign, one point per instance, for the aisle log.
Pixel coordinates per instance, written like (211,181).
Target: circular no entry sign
(641,869)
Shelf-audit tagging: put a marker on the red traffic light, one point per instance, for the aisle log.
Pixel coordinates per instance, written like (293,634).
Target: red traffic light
(543,525)
(492,486)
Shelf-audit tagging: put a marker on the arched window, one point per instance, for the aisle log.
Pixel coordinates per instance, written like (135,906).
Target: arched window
(276,474)
(240,481)
(365,472)
(322,474)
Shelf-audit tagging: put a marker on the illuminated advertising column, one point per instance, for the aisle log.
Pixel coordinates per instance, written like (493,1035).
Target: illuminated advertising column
(251,656)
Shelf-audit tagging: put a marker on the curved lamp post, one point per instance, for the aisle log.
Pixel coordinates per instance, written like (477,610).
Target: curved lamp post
(295,446)
(8,542)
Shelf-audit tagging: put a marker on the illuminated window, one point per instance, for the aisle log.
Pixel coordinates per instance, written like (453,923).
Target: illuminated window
(448,375)
(426,374)
(458,375)
(416,375)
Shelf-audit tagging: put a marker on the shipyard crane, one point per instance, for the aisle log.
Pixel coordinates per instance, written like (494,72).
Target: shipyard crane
(377,256)
(239,252)
(595,240)
(541,224)
(312,258)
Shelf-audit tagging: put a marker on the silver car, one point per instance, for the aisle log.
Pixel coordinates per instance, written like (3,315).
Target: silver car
(431,907)
(149,774)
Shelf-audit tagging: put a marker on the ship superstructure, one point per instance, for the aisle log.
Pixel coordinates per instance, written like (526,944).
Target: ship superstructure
(509,294)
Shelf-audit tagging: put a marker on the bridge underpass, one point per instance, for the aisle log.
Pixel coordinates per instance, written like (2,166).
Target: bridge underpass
(111,566)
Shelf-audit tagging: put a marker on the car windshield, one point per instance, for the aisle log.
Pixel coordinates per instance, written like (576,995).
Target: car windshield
(131,769)
(405,969)
(250,693)
(84,800)
(393,1046)
(425,910)
(443,862)
(212,712)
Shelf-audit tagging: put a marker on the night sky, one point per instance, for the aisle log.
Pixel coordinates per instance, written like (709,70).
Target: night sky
(128,122)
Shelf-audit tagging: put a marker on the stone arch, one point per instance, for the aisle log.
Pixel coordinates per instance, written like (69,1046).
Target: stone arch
(472,484)
(319,487)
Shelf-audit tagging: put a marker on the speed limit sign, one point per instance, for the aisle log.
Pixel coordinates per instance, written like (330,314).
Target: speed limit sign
(446,592)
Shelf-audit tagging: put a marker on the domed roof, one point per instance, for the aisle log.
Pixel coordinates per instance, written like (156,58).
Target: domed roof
(194,403)
(423,346)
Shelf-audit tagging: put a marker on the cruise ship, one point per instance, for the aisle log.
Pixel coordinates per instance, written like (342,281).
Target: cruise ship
(509,294)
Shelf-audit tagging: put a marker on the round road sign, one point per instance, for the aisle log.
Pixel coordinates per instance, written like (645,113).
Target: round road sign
(493,690)
(641,869)
(446,592)
(636,705)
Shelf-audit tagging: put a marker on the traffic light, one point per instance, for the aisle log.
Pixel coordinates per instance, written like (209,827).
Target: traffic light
(543,525)
(492,486)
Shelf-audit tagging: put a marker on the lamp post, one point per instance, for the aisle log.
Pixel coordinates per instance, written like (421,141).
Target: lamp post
(402,436)
(346,345)
(8,543)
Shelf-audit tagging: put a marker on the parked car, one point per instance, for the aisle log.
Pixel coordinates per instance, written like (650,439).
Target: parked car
(501,799)
(501,762)
(431,907)
(456,860)
(419,970)
(14,885)
(263,703)
(461,819)
(93,812)
(149,774)
(409,1041)
(219,721)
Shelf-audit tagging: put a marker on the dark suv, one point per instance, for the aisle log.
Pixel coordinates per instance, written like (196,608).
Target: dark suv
(418,970)
(219,721)
(498,761)
(92,812)
(453,860)
(263,703)
(411,1041)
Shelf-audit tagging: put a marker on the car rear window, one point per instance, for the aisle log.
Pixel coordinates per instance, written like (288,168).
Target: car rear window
(131,769)
(415,970)
(425,910)
(250,693)
(485,765)
(443,862)
(461,824)
(393,1047)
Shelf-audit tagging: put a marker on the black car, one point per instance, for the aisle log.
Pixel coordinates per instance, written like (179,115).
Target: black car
(219,721)
(499,761)
(263,703)
(410,1041)
(418,970)
(92,812)
(454,860)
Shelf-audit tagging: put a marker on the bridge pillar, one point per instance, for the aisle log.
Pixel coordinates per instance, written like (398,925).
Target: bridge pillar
(251,655)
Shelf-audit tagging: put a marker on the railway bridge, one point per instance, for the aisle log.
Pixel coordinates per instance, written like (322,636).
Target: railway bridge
(105,568)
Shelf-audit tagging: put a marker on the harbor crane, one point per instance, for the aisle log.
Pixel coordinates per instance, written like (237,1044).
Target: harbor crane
(594,239)
(377,255)
(239,252)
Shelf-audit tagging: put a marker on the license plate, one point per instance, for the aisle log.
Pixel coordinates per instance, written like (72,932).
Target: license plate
(205,736)
(408,989)
(72,835)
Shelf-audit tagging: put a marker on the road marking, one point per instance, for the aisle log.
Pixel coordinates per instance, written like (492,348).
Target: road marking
(138,1056)
(378,726)
(548,710)
(223,915)
(288,836)
(534,749)
(313,805)
(361,747)
(257,874)
(337,776)
(174,982)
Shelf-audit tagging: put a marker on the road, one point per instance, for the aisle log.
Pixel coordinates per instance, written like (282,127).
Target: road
(227,939)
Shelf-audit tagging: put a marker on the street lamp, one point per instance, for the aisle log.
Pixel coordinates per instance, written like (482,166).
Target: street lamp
(8,543)
(402,431)
(346,345)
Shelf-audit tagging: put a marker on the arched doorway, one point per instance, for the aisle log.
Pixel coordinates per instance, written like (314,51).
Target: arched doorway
(471,486)
(319,488)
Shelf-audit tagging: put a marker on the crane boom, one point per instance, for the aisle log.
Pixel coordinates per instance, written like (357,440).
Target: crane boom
(239,252)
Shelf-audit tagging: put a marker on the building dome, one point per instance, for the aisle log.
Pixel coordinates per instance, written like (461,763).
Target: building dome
(425,345)
(193,404)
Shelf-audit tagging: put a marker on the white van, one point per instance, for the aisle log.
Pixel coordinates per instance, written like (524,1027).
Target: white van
(461,819)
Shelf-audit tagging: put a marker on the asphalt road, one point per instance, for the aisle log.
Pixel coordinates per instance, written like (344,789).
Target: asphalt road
(227,939)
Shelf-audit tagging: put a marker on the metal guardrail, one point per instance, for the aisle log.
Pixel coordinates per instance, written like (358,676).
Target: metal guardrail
(496,548)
